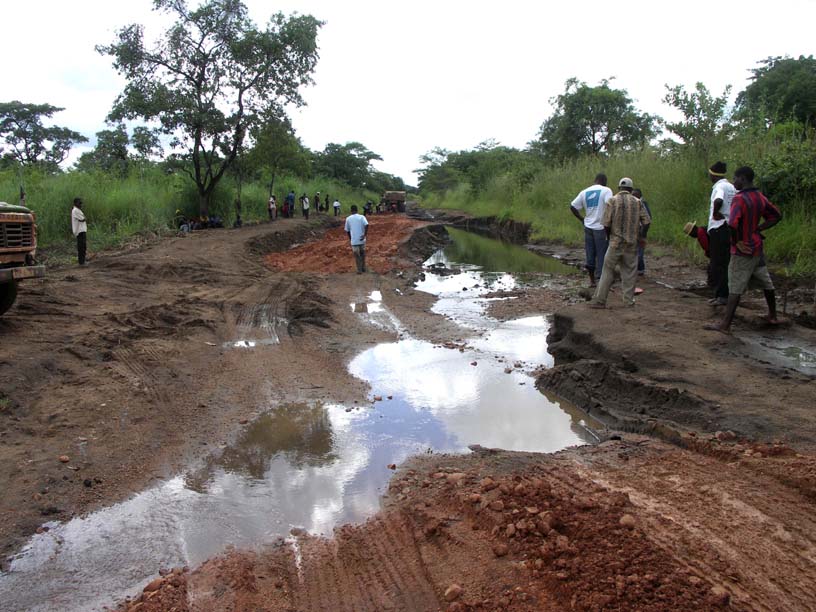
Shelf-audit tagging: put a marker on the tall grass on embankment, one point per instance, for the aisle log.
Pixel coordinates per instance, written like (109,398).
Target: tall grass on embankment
(676,188)
(118,208)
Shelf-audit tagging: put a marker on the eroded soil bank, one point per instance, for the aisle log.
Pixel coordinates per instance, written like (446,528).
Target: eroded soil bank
(145,374)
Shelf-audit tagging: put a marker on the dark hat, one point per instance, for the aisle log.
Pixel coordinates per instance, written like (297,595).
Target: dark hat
(717,169)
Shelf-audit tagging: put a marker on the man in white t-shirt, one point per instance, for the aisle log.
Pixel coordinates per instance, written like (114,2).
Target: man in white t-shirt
(304,203)
(593,199)
(719,235)
(336,207)
(272,206)
(79,227)
(357,228)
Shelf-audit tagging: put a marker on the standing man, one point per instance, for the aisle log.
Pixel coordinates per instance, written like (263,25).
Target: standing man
(272,206)
(80,229)
(304,203)
(336,208)
(357,228)
(641,268)
(326,202)
(290,203)
(719,235)
(317,202)
(593,200)
(747,262)
(625,221)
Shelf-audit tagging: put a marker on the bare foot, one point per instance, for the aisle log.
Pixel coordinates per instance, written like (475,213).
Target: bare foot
(716,327)
(770,320)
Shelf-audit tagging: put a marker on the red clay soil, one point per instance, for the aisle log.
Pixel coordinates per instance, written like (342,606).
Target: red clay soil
(634,525)
(332,252)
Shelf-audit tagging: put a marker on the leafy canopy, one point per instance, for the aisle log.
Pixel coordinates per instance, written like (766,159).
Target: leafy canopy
(592,120)
(350,162)
(704,115)
(781,89)
(212,78)
(28,141)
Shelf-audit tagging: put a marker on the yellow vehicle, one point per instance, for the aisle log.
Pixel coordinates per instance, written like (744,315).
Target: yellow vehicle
(18,246)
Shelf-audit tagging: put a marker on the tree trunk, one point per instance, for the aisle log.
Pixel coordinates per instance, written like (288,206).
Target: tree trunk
(204,204)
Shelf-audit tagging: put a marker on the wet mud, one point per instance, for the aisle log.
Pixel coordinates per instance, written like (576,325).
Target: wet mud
(243,411)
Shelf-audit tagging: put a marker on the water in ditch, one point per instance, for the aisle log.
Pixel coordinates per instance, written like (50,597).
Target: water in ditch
(318,466)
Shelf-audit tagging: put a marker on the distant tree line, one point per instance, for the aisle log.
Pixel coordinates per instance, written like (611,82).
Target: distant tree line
(779,104)
(212,90)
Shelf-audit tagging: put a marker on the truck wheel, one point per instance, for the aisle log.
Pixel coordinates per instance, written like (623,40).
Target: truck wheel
(8,293)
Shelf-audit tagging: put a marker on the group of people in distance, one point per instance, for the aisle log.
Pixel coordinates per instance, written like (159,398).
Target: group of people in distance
(287,209)
(615,229)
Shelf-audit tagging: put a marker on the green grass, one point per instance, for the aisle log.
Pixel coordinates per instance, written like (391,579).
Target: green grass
(677,190)
(118,208)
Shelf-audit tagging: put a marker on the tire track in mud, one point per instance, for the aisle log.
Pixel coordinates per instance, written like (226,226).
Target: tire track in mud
(379,562)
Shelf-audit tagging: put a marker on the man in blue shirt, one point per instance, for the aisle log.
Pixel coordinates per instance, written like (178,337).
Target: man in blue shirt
(357,228)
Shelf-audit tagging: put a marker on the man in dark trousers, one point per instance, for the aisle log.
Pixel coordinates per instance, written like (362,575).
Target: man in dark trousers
(719,235)
(80,229)
(747,265)
(641,266)
(357,228)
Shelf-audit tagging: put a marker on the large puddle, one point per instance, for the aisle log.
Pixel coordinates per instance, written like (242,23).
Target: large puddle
(318,466)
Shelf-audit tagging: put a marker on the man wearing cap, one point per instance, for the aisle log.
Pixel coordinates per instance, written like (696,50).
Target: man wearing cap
(593,200)
(79,227)
(719,236)
(625,222)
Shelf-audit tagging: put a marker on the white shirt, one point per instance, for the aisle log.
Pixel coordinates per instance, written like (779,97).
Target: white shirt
(337,203)
(593,199)
(305,203)
(725,191)
(272,204)
(356,225)
(78,224)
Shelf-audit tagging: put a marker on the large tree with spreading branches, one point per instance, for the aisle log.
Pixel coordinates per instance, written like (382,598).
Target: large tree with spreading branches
(212,78)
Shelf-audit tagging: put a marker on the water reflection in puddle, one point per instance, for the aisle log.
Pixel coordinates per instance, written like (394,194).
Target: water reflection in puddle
(315,466)
(782,351)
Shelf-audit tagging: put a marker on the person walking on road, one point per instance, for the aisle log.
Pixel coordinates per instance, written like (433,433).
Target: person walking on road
(79,227)
(641,267)
(357,228)
(289,203)
(304,205)
(747,264)
(719,235)
(593,201)
(336,208)
(625,221)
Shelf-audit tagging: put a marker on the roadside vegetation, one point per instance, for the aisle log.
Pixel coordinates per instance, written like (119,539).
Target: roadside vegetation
(179,142)
(771,128)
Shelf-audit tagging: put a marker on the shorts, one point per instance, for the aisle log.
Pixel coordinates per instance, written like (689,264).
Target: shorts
(748,273)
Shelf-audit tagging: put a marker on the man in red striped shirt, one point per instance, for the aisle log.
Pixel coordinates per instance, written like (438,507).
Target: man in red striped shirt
(747,266)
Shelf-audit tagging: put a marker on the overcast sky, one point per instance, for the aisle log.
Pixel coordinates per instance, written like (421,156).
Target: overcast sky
(405,77)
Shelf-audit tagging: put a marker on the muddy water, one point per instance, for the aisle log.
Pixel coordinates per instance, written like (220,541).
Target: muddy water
(319,466)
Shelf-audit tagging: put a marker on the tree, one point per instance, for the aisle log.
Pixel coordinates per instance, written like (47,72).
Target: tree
(350,163)
(212,78)
(30,142)
(277,150)
(782,89)
(110,153)
(592,120)
(146,143)
(704,115)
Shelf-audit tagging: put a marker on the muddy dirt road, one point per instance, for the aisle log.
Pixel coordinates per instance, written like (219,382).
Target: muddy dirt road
(120,375)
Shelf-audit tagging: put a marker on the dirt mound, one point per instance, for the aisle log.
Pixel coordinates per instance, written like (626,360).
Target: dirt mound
(331,253)
(621,526)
